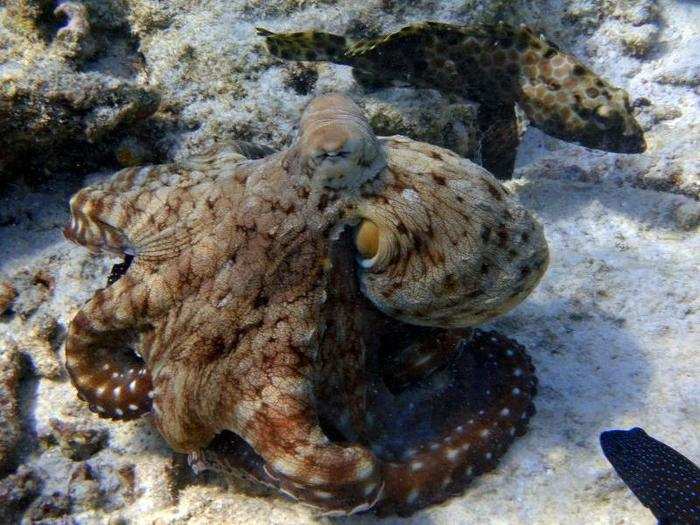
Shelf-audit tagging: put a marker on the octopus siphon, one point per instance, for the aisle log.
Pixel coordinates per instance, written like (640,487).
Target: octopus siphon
(305,318)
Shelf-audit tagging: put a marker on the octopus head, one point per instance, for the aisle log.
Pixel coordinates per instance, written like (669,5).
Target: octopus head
(445,245)
(336,145)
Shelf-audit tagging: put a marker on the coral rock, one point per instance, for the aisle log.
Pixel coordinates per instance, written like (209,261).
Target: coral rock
(10,424)
(76,443)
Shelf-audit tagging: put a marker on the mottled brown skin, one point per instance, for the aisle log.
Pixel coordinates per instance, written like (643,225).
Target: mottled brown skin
(241,326)
(495,65)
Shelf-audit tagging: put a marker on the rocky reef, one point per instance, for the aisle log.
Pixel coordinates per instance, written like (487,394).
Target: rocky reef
(89,86)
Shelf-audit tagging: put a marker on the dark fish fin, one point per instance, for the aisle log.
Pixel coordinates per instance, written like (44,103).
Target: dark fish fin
(369,79)
(499,139)
(665,481)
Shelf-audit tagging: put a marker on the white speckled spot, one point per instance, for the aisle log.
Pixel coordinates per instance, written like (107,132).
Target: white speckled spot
(465,447)
(364,469)
(132,386)
(119,412)
(488,455)
(435,446)
(284,467)
(287,493)
(485,433)
(133,407)
(452,454)
(505,412)
(99,392)
(411,195)
(360,508)
(518,372)
(370,488)
(416,465)
(516,391)
(322,494)
(410,453)
(117,392)
(422,360)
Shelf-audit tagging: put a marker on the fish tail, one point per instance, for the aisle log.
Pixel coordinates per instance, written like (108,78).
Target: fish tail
(314,46)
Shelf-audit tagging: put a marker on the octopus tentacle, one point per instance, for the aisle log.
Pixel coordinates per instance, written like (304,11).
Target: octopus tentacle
(151,211)
(306,465)
(460,435)
(461,430)
(108,375)
(423,352)
(266,397)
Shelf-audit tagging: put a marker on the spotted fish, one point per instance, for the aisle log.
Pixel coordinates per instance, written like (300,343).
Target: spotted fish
(666,482)
(496,65)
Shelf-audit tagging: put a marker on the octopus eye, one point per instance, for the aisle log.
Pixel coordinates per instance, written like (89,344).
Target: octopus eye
(367,240)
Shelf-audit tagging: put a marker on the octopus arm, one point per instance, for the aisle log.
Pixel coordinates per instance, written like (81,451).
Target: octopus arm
(429,441)
(154,211)
(266,397)
(432,445)
(280,422)
(499,140)
(107,373)
(304,464)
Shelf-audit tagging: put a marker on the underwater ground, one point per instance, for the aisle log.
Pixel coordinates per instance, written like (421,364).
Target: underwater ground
(612,328)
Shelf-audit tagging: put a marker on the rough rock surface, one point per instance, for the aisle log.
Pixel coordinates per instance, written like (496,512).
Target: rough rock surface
(10,422)
(58,108)
(612,328)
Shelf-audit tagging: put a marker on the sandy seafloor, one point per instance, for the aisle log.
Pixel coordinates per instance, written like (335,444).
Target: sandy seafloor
(612,328)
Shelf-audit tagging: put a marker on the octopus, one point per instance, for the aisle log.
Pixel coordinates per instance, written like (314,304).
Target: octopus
(306,318)
(498,66)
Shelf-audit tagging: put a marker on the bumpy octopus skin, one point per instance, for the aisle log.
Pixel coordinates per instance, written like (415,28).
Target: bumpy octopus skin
(303,318)
(495,65)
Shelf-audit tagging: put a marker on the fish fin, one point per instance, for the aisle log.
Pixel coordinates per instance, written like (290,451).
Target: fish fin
(314,46)
(500,137)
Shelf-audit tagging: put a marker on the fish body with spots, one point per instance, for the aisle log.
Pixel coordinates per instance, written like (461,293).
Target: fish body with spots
(497,66)
(665,481)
